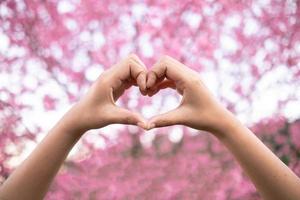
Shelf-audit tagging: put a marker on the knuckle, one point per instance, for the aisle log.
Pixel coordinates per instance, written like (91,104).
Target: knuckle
(192,83)
(129,61)
(140,76)
(132,56)
(164,59)
(104,78)
(194,80)
(143,73)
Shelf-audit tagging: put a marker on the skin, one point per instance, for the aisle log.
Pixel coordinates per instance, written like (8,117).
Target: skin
(96,109)
(198,110)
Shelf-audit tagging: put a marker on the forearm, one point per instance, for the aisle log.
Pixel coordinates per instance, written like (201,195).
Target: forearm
(272,178)
(33,177)
(95,110)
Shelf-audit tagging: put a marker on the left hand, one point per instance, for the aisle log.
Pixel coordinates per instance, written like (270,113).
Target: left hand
(98,109)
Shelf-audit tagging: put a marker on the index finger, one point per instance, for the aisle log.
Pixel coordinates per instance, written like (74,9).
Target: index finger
(134,68)
(165,67)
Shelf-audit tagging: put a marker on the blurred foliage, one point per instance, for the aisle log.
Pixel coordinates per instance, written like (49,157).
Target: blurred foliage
(248,51)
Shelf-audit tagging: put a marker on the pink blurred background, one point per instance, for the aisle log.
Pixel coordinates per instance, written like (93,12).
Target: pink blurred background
(246,52)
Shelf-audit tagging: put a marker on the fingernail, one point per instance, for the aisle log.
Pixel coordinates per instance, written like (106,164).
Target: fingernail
(151,126)
(141,125)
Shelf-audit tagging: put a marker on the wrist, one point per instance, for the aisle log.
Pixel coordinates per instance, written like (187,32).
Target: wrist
(71,122)
(226,124)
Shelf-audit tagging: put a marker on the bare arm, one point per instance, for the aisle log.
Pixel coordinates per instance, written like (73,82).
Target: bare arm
(272,178)
(200,110)
(97,109)
(33,177)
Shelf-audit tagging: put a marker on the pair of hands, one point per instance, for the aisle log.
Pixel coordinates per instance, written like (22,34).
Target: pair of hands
(198,108)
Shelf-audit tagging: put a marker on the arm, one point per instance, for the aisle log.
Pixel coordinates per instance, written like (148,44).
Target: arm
(97,109)
(272,178)
(33,177)
(200,110)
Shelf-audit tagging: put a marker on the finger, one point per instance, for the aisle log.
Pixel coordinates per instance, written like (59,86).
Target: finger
(137,60)
(162,85)
(132,81)
(166,84)
(166,67)
(144,92)
(124,116)
(131,67)
(141,81)
(130,70)
(138,71)
(151,79)
(170,118)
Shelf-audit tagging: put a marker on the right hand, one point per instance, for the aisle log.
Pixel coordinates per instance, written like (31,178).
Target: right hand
(198,108)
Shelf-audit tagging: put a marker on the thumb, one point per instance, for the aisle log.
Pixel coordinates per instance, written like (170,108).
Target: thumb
(124,116)
(170,118)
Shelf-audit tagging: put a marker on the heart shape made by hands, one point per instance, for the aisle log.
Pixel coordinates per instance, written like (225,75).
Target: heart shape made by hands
(197,108)
(150,83)
(151,102)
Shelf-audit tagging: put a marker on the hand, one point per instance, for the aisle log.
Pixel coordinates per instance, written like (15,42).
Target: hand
(198,108)
(98,109)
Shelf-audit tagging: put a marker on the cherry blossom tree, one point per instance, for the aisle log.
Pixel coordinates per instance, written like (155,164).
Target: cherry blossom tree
(247,52)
